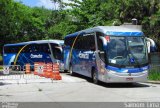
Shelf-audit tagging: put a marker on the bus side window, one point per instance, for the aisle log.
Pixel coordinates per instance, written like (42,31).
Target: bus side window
(45,48)
(30,49)
(8,49)
(86,42)
(100,46)
(79,42)
(91,42)
(93,48)
(69,41)
(100,43)
(35,48)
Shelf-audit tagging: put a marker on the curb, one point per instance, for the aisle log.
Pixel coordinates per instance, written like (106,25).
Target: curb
(154,82)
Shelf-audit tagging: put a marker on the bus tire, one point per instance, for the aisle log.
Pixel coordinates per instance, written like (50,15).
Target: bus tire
(95,76)
(71,70)
(65,71)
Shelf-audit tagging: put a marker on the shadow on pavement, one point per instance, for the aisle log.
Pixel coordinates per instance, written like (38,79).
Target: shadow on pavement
(123,85)
(6,95)
(112,85)
(3,84)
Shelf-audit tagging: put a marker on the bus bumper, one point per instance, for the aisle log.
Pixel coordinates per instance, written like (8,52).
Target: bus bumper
(113,77)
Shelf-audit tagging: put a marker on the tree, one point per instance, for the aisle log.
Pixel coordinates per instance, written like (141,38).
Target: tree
(23,23)
(58,4)
(10,21)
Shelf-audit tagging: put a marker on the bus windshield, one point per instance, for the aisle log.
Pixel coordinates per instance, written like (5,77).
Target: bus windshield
(126,51)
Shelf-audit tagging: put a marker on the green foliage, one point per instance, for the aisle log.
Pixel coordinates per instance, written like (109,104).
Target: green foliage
(1,67)
(154,73)
(22,23)
(90,13)
(61,29)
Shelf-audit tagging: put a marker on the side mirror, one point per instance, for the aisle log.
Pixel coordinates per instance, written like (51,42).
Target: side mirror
(151,45)
(148,44)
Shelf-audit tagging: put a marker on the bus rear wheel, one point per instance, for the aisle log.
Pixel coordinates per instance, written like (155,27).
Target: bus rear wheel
(95,77)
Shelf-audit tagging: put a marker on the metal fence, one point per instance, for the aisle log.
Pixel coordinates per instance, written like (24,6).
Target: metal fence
(25,74)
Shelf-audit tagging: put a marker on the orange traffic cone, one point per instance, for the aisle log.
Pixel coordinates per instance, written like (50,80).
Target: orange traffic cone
(56,74)
(48,71)
(28,68)
(36,64)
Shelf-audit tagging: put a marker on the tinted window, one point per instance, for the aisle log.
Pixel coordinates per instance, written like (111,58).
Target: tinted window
(43,48)
(12,49)
(32,48)
(100,46)
(85,41)
(99,41)
(69,41)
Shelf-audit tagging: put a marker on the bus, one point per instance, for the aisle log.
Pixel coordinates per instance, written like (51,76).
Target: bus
(111,54)
(19,54)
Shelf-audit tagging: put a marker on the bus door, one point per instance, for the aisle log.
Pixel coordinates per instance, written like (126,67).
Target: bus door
(101,55)
(85,48)
(66,55)
(67,52)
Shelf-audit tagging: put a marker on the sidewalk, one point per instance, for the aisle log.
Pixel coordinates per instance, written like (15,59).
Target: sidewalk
(153,82)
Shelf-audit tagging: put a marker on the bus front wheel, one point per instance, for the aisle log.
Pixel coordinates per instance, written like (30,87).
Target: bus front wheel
(94,76)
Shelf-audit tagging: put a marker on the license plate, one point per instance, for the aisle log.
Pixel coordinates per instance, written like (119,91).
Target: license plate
(129,79)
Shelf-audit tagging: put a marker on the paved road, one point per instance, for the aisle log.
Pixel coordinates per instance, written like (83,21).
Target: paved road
(73,89)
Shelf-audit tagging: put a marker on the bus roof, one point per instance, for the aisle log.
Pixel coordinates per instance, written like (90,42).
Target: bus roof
(61,42)
(111,30)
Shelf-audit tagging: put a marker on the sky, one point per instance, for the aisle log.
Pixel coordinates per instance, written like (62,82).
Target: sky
(39,3)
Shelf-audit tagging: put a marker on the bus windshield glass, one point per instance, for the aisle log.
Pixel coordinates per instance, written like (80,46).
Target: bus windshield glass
(126,51)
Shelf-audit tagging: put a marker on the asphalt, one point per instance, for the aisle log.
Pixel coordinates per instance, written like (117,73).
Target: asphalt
(26,78)
(31,88)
